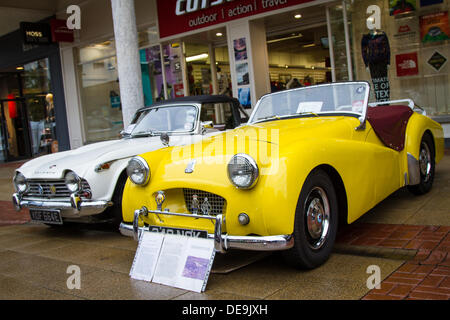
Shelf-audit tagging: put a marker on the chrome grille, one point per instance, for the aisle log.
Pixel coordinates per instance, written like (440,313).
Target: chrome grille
(43,188)
(217,202)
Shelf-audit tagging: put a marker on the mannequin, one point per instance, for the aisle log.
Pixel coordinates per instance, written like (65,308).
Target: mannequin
(377,59)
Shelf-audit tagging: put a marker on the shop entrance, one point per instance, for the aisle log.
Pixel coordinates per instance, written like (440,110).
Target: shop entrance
(15,134)
(298,48)
(27,116)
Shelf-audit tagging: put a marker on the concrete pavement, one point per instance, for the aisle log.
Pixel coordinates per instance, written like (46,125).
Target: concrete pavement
(406,236)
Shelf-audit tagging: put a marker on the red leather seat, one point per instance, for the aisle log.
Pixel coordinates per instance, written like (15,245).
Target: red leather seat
(389,123)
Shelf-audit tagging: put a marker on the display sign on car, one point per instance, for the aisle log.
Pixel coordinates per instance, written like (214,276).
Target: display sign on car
(179,16)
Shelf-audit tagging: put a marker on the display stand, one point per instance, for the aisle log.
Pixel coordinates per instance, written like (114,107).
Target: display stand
(173,260)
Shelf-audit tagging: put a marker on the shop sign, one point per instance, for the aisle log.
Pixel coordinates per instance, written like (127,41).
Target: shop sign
(60,32)
(407,64)
(179,16)
(437,61)
(35,33)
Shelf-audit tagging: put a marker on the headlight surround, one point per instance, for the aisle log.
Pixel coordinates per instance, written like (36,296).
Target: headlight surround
(243,171)
(20,183)
(73,182)
(138,171)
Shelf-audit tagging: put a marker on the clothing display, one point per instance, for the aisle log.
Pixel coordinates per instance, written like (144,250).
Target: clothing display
(377,57)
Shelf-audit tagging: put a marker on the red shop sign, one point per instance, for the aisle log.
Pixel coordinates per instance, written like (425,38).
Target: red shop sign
(179,16)
(407,64)
(60,32)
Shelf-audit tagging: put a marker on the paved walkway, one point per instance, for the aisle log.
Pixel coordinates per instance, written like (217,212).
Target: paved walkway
(406,236)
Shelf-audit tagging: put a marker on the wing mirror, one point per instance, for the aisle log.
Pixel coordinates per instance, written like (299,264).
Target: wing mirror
(208,124)
(205,125)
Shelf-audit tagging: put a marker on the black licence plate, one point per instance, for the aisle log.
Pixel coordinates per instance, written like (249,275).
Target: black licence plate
(46,216)
(181,232)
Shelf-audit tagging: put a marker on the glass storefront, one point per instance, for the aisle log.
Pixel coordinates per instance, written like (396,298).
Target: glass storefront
(402,48)
(99,88)
(28,123)
(39,100)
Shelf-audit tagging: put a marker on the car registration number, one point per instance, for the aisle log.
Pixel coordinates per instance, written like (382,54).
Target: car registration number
(182,232)
(46,216)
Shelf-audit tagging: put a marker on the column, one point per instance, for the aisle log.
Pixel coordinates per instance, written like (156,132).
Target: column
(249,61)
(128,60)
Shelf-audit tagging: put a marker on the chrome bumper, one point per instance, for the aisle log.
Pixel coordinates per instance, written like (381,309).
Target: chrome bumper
(75,203)
(222,242)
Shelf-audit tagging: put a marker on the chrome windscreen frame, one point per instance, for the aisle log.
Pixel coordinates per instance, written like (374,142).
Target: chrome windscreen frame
(362,116)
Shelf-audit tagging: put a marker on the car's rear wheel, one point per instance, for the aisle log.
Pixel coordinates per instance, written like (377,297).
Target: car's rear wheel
(426,166)
(316,221)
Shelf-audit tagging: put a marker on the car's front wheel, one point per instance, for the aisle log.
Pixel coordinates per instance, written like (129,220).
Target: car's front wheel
(316,221)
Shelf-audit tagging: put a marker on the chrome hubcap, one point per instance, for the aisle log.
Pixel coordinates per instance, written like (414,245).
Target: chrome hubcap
(317,217)
(425,162)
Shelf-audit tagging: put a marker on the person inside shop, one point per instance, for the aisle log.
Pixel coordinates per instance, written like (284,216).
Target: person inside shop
(293,83)
(223,82)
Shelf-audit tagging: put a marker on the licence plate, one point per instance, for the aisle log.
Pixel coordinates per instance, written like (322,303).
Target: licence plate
(182,232)
(46,216)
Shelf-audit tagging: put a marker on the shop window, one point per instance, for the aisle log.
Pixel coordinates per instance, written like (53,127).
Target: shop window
(402,49)
(39,101)
(199,69)
(100,94)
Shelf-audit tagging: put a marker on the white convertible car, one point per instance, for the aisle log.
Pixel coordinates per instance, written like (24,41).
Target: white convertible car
(86,184)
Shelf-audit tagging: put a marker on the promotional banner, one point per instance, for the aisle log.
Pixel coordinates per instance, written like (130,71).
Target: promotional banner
(376,54)
(179,16)
(434,27)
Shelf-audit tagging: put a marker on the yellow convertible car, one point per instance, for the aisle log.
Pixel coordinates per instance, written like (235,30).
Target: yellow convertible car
(308,159)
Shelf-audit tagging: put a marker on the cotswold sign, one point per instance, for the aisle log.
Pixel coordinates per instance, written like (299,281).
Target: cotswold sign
(179,16)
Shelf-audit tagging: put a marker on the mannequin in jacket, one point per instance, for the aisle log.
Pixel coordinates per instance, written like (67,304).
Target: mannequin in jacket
(377,59)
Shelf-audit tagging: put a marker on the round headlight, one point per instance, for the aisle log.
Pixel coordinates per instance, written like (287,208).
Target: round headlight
(20,183)
(243,171)
(73,182)
(138,171)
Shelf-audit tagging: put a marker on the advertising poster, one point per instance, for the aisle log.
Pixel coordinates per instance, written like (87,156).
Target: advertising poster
(434,27)
(406,31)
(240,49)
(401,6)
(242,74)
(407,64)
(244,97)
(424,3)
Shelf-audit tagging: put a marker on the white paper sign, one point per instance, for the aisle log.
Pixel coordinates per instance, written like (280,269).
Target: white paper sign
(185,262)
(147,255)
(174,260)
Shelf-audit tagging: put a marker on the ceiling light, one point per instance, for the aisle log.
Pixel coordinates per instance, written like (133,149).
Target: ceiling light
(297,16)
(219,34)
(19,68)
(287,38)
(197,57)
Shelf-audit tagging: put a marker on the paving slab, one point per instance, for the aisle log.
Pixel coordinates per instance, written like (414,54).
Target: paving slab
(110,285)
(14,289)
